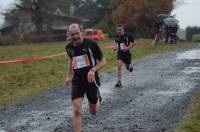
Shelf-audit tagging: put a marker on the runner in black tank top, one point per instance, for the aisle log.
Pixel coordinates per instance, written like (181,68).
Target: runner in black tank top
(85,59)
(123,42)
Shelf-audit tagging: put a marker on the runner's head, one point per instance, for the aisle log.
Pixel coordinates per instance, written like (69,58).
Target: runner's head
(75,33)
(120,29)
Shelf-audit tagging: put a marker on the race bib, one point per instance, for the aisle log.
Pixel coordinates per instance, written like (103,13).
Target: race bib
(122,46)
(80,61)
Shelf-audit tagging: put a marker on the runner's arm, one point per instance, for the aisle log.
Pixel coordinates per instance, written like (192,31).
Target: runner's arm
(69,73)
(115,45)
(132,44)
(130,40)
(91,73)
(98,55)
(99,65)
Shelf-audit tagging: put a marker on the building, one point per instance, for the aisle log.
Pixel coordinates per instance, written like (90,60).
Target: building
(53,23)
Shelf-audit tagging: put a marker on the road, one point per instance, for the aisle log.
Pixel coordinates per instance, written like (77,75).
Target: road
(153,98)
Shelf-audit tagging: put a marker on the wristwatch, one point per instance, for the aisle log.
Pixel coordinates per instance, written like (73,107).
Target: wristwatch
(93,70)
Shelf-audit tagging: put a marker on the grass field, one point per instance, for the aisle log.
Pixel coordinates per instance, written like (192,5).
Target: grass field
(22,80)
(192,121)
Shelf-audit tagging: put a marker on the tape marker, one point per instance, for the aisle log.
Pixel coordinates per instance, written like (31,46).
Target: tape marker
(23,60)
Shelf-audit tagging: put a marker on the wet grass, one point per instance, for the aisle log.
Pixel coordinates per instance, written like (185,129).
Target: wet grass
(18,81)
(192,121)
(22,80)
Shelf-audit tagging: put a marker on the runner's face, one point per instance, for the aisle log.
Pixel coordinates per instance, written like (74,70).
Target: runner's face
(120,31)
(76,35)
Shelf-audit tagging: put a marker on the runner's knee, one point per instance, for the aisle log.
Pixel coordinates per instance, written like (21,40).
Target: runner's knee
(93,111)
(129,66)
(77,112)
(119,67)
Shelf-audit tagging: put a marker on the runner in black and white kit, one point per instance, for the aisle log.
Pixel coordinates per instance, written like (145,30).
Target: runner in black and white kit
(85,59)
(123,42)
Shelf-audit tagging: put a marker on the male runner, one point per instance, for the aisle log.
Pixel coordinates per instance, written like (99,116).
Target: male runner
(85,59)
(123,42)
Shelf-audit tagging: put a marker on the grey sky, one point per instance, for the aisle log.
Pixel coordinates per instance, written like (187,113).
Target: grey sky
(186,13)
(5,4)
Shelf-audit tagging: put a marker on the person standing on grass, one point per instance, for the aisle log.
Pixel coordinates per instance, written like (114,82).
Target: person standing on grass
(85,59)
(157,27)
(123,43)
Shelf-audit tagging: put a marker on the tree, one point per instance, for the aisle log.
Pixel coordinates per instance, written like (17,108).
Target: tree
(140,14)
(43,11)
(94,10)
(190,31)
(10,17)
(40,10)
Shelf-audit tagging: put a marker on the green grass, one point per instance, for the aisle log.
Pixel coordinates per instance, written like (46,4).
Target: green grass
(192,121)
(19,81)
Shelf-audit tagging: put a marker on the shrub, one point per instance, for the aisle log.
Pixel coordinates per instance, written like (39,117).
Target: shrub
(108,29)
(4,41)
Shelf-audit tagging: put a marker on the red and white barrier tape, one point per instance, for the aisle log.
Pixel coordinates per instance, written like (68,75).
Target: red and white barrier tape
(24,60)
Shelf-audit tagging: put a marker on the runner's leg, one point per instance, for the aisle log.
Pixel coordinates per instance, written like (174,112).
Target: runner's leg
(94,97)
(119,73)
(129,67)
(119,69)
(128,64)
(94,108)
(77,108)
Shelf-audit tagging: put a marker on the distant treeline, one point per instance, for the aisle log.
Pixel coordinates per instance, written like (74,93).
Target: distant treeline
(137,15)
(193,33)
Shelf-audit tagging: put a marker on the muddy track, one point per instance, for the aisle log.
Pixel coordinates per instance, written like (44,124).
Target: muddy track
(153,99)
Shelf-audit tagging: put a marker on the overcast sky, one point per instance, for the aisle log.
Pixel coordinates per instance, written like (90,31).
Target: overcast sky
(186,13)
(5,4)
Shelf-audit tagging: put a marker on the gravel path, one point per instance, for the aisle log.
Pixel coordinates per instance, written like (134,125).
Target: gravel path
(153,99)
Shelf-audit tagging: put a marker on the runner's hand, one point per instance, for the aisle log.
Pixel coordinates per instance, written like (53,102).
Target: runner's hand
(114,48)
(67,82)
(91,76)
(125,49)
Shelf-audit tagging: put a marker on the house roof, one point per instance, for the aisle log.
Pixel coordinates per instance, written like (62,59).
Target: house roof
(6,26)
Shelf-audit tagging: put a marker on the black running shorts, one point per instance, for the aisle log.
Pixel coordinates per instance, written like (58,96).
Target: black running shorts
(90,89)
(125,58)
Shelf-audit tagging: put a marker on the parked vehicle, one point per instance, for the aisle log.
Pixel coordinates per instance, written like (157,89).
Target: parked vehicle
(166,27)
(95,34)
